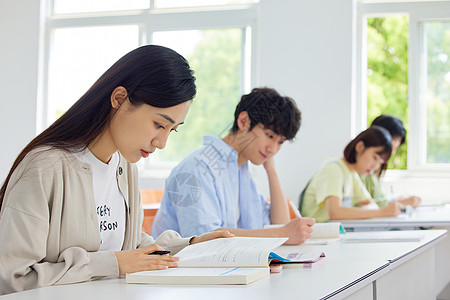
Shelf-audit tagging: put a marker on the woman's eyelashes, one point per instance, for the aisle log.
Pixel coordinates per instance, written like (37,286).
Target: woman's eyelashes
(158,126)
(378,159)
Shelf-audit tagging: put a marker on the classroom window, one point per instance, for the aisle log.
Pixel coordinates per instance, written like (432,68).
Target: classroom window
(93,6)
(387,74)
(81,43)
(404,70)
(216,56)
(436,74)
(78,57)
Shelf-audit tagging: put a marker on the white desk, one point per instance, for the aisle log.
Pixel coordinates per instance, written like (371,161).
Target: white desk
(423,217)
(352,271)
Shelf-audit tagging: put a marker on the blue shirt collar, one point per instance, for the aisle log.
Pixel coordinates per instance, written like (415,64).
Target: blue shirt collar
(224,150)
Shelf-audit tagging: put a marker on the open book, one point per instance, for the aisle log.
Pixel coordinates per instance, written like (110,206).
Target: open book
(237,260)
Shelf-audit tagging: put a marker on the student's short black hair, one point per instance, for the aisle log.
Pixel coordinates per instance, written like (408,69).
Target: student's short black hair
(267,107)
(374,136)
(393,124)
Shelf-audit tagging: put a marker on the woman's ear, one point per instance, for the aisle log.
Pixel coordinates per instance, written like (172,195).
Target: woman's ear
(359,148)
(118,96)
(243,121)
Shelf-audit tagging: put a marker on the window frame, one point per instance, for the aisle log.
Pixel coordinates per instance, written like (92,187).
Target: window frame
(418,12)
(152,20)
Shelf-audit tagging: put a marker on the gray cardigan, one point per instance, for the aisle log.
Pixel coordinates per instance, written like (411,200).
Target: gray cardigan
(49,230)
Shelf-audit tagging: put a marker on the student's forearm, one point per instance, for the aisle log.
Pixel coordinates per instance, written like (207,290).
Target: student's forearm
(297,231)
(352,213)
(279,210)
(268,232)
(338,212)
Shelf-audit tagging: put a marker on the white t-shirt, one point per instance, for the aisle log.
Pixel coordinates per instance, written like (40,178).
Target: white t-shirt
(109,202)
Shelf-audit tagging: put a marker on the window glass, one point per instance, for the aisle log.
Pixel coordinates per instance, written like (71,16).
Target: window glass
(78,57)
(84,6)
(387,74)
(437,92)
(215,55)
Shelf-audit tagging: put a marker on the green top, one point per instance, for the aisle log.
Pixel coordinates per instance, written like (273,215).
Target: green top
(333,179)
(373,186)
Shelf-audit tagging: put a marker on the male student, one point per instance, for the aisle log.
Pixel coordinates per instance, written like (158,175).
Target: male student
(212,187)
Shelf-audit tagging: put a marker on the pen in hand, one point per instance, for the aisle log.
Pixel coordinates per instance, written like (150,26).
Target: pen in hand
(159,252)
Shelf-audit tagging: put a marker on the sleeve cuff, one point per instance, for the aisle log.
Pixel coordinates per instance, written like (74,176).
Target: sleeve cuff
(103,263)
(172,241)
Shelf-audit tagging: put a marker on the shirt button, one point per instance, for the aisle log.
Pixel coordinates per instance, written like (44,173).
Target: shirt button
(120,170)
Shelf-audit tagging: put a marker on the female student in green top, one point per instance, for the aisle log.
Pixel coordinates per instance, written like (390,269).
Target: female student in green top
(70,205)
(336,191)
(372,181)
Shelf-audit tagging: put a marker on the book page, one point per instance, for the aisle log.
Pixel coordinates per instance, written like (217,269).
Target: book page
(325,230)
(229,252)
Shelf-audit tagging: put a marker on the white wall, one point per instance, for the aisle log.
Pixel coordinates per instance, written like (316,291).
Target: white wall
(19,37)
(305,52)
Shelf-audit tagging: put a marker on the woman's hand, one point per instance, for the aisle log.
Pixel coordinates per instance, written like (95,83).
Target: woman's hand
(298,230)
(131,261)
(211,236)
(392,209)
(413,201)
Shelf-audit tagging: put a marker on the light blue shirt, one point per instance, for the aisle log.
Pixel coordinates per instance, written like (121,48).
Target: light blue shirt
(207,191)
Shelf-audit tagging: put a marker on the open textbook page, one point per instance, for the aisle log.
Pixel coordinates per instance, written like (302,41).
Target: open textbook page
(229,252)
